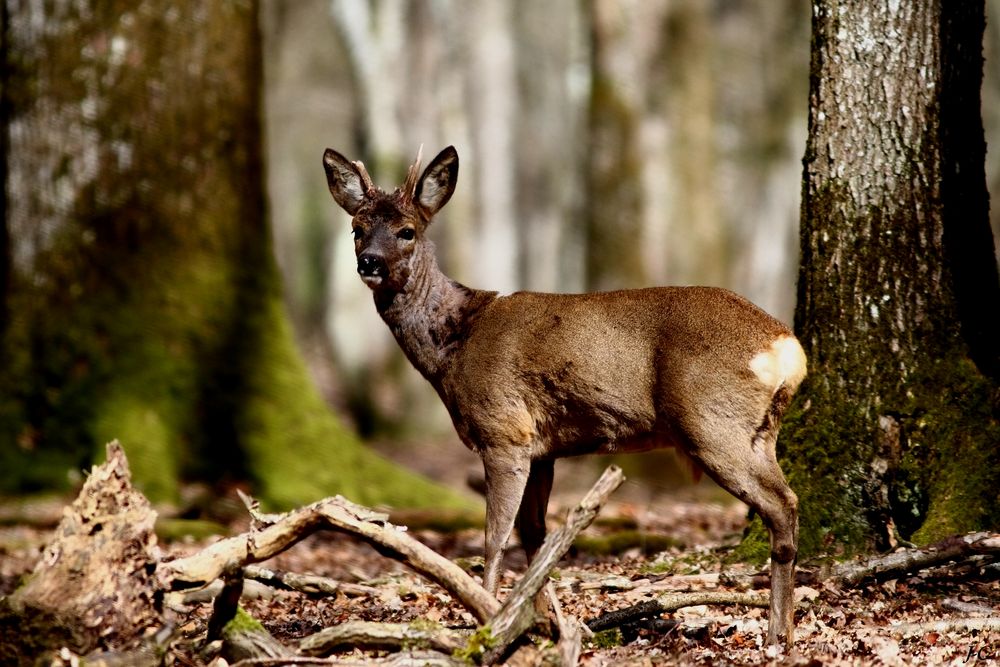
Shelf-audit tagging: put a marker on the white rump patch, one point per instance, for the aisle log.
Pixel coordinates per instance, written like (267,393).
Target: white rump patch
(783,362)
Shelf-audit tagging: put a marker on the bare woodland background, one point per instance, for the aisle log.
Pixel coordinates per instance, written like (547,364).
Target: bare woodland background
(604,144)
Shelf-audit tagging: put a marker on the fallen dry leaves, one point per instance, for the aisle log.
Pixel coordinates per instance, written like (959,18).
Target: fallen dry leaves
(926,618)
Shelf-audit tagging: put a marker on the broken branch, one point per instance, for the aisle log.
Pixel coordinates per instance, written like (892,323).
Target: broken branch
(331,513)
(672,602)
(912,560)
(382,636)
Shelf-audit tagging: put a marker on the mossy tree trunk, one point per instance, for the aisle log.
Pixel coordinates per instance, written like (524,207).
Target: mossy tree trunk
(145,302)
(895,431)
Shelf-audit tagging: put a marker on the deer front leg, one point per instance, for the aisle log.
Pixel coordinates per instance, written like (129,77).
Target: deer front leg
(506,477)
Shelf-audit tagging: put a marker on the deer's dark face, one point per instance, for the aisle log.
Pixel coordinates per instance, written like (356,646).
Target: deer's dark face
(389,228)
(386,233)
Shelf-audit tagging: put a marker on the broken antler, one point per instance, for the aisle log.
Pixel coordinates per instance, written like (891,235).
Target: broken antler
(410,185)
(366,179)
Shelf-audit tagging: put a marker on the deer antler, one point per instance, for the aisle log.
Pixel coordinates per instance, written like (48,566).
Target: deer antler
(410,186)
(369,186)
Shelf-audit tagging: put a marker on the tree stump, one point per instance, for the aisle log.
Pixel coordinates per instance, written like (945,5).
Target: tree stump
(94,586)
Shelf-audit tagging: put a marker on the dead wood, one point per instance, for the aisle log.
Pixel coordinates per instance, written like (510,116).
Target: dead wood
(910,561)
(248,644)
(988,624)
(309,584)
(336,513)
(244,638)
(383,636)
(408,659)
(570,630)
(517,613)
(95,578)
(225,606)
(963,607)
(672,602)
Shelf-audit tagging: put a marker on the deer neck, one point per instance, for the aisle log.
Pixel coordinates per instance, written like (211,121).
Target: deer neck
(431,315)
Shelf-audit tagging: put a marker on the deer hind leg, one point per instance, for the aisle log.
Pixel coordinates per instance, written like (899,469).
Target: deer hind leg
(506,477)
(531,515)
(743,462)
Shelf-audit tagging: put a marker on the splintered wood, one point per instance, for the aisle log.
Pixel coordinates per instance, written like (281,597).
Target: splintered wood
(96,577)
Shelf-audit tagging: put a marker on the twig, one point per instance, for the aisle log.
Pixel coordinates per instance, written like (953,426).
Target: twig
(225,606)
(570,630)
(306,583)
(382,636)
(517,612)
(417,555)
(673,602)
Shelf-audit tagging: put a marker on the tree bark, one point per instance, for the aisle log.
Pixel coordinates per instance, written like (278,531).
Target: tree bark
(613,214)
(144,296)
(895,428)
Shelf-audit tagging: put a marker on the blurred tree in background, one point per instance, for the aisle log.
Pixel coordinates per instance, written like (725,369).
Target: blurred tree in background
(142,299)
(613,143)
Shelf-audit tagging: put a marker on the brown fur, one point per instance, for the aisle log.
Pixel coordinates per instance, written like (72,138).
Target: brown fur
(530,377)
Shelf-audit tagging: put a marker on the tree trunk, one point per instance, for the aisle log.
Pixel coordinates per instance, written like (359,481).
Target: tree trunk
(896,428)
(613,213)
(144,296)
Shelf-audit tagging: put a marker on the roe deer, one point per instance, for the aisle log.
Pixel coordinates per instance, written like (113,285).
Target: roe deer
(530,377)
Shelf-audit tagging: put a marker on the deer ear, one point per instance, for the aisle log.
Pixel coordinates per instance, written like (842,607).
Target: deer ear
(437,183)
(344,179)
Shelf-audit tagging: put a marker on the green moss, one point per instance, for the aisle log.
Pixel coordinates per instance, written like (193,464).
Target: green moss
(951,453)
(481,641)
(938,479)
(825,450)
(607,638)
(754,548)
(621,541)
(297,450)
(242,623)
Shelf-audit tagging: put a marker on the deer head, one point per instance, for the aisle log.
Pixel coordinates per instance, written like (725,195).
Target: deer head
(389,227)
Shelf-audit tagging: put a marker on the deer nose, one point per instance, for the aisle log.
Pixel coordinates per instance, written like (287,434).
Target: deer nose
(371,265)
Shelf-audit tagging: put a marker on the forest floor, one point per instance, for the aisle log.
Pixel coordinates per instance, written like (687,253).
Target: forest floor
(641,546)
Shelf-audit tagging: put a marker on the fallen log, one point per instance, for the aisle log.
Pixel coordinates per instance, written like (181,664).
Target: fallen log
(909,561)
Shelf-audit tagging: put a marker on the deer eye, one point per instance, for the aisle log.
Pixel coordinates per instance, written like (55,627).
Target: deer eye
(358,233)
(406,233)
